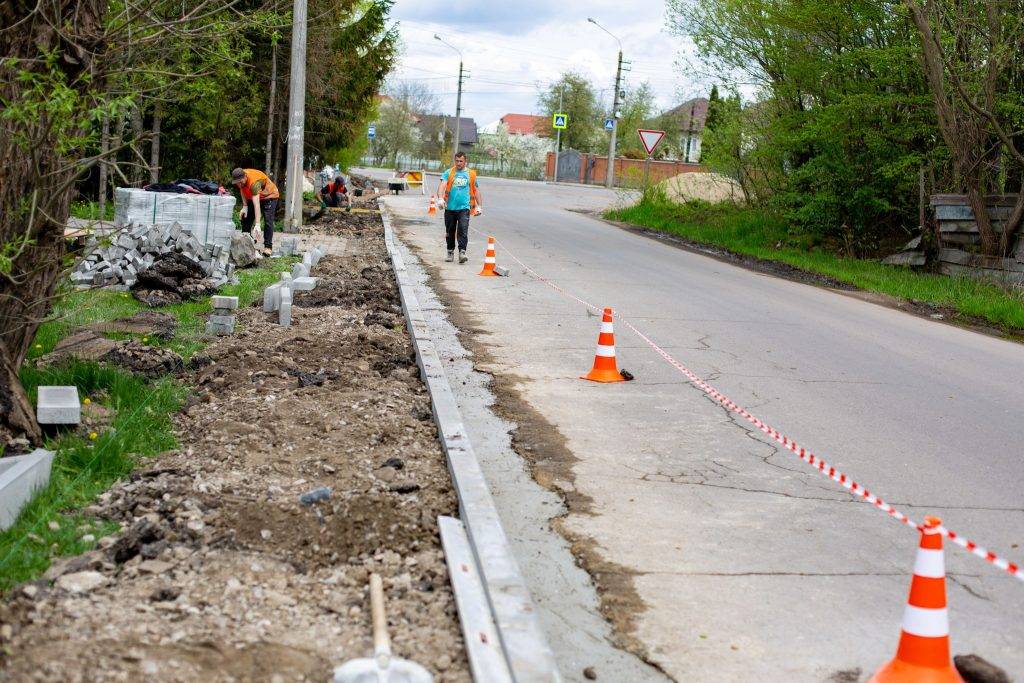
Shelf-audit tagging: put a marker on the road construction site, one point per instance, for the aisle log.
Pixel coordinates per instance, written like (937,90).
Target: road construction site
(711,549)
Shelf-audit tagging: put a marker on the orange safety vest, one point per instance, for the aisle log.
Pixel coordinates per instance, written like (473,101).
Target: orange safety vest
(269,190)
(472,185)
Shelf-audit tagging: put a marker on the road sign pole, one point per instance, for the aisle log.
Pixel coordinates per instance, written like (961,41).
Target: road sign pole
(558,136)
(647,173)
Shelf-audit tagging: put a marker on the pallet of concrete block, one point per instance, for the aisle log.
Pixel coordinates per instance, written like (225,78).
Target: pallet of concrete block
(200,214)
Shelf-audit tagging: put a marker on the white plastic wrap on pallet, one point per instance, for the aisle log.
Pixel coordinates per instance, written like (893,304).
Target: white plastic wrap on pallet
(203,214)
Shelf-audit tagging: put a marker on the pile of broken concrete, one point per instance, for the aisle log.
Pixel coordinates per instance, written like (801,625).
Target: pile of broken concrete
(164,264)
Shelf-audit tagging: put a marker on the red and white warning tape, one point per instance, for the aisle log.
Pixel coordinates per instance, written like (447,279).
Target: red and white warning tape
(814,461)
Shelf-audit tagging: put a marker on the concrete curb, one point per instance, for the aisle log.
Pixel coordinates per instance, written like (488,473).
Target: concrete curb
(529,657)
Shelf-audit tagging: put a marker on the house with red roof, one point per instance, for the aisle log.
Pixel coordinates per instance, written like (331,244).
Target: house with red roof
(526,124)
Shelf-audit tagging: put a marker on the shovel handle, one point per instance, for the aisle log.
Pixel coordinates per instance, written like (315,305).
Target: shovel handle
(381,642)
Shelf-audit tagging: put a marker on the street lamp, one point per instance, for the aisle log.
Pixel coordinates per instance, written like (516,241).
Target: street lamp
(458,97)
(610,175)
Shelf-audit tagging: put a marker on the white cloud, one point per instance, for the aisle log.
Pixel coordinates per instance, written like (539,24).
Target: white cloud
(511,48)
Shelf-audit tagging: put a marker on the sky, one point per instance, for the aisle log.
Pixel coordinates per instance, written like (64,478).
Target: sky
(512,47)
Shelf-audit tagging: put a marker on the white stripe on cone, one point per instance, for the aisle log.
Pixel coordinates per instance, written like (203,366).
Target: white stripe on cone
(606,351)
(488,259)
(925,622)
(930,564)
(607,327)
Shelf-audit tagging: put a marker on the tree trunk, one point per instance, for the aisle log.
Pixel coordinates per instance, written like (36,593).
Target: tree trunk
(270,107)
(136,154)
(101,196)
(35,195)
(154,145)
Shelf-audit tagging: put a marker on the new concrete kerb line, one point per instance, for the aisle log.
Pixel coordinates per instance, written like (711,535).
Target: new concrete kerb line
(530,658)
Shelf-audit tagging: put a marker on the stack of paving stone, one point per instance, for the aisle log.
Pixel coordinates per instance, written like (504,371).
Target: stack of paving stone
(135,249)
(278,296)
(222,322)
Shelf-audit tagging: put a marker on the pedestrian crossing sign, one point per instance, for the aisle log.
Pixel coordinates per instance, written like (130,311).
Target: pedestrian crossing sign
(560,121)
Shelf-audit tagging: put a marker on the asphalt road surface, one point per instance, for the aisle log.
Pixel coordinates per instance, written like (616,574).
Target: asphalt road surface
(746,563)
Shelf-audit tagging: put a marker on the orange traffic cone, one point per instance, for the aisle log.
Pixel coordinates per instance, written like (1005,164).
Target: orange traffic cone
(488,270)
(604,369)
(923,653)
(433,205)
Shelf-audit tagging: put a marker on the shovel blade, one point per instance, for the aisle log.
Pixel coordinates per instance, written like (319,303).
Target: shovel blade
(369,671)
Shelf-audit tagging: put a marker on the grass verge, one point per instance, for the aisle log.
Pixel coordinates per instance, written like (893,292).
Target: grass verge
(136,416)
(757,233)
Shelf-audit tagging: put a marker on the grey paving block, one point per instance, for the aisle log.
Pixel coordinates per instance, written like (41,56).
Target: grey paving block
(220,325)
(307,260)
(58,406)
(285,311)
(21,477)
(229,302)
(286,279)
(272,298)
(300,270)
(304,284)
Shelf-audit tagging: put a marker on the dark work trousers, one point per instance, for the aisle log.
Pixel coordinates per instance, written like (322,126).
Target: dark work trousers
(336,200)
(268,207)
(456,221)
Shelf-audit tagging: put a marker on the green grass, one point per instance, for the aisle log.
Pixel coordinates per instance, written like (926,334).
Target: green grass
(74,309)
(90,210)
(84,467)
(140,424)
(758,233)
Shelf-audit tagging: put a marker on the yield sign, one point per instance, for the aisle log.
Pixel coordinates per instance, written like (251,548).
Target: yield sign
(650,138)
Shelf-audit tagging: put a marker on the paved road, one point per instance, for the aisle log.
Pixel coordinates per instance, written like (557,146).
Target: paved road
(748,563)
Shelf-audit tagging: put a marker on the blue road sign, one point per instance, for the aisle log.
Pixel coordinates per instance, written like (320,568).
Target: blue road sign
(372,132)
(609,124)
(560,121)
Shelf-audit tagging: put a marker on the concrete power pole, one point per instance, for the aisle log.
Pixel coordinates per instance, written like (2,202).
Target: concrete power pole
(458,97)
(609,180)
(296,120)
(458,112)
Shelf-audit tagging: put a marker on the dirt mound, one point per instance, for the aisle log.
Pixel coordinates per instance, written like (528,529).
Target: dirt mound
(222,572)
(708,187)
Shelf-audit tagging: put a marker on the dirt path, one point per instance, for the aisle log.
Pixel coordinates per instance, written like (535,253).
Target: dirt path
(221,572)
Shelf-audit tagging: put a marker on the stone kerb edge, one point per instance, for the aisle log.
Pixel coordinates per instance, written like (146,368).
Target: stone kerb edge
(526,649)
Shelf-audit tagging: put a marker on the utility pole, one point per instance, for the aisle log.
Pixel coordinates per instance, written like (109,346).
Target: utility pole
(297,120)
(458,97)
(610,175)
(609,179)
(558,133)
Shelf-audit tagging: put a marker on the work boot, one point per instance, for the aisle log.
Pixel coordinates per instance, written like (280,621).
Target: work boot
(451,256)
(462,256)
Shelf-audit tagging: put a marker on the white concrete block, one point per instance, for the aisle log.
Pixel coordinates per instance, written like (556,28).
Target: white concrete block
(21,477)
(300,270)
(304,284)
(285,313)
(272,297)
(58,406)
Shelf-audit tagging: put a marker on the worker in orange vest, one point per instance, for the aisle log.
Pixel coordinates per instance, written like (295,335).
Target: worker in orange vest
(459,196)
(259,199)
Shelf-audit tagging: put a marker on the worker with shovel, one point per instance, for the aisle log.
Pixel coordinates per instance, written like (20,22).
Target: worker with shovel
(459,196)
(259,199)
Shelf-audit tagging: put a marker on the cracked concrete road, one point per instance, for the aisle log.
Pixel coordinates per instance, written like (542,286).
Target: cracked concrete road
(748,563)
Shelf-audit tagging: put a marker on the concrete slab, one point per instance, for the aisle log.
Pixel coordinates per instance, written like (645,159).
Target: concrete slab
(58,406)
(21,477)
(285,310)
(300,270)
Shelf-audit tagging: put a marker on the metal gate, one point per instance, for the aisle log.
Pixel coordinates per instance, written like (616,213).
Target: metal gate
(569,163)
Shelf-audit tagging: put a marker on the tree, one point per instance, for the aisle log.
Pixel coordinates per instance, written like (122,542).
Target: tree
(970,50)
(842,119)
(579,101)
(397,130)
(635,111)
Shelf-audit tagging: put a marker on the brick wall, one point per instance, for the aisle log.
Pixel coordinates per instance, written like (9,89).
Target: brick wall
(624,169)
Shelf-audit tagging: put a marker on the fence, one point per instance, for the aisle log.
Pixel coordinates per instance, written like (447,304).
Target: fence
(483,165)
(591,169)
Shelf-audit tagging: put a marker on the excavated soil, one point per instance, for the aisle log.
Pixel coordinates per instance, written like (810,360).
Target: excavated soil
(220,572)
